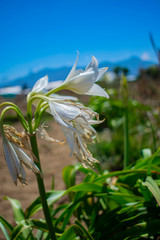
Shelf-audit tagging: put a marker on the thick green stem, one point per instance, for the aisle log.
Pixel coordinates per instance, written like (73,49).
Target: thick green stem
(126,138)
(41,188)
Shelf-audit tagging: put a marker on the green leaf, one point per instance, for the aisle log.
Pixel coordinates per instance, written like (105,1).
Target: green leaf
(4,230)
(86,187)
(67,213)
(153,187)
(122,198)
(69,234)
(52,197)
(119,173)
(6,224)
(19,229)
(17,209)
(144,190)
(82,228)
(18,214)
(69,173)
(38,224)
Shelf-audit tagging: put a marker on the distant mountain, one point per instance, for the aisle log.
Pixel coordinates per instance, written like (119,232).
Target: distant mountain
(54,74)
(28,81)
(134,64)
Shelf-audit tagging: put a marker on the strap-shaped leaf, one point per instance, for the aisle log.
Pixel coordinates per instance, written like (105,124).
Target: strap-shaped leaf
(17,209)
(52,197)
(19,230)
(69,234)
(4,230)
(82,228)
(153,187)
(6,224)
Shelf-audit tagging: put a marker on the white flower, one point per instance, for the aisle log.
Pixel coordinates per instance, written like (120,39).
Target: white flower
(78,143)
(75,120)
(83,82)
(78,81)
(40,85)
(67,113)
(15,158)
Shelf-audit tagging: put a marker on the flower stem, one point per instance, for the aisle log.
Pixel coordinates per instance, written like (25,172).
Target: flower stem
(41,188)
(126,138)
(125,101)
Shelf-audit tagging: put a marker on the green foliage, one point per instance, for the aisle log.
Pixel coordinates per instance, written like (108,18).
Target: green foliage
(143,125)
(115,205)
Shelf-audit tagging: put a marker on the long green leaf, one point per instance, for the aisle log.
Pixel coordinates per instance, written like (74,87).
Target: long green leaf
(38,224)
(153,187)
(17,209)
(19,229)
(18,213)
(89,237)
(69,173)
(4,230)
(6,224)
(69,234)
(86,187)
(119,173)
(52,197)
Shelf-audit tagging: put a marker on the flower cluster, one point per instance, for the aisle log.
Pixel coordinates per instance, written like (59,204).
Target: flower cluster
(75,119)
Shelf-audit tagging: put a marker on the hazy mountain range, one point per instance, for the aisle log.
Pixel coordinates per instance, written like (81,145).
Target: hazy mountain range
(54,74)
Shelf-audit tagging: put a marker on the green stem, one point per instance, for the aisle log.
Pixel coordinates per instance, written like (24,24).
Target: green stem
(61,87)
(13,107)
(41,188)
(153,133)
(126,138)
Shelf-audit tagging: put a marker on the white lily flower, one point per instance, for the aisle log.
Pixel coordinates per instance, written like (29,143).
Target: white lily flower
(39,87)
(15,158)
(75,120)
(78,144)
(83,82)
(67,113)
(78,81)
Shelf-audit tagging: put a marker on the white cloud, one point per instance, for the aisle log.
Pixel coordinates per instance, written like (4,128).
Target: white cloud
(145,56)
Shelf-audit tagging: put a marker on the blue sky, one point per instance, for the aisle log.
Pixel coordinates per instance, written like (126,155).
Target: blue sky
(37,34)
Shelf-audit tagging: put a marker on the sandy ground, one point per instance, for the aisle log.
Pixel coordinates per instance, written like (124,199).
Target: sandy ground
(54,158)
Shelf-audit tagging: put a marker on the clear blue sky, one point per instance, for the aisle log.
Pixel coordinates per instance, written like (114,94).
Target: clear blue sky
(37,34)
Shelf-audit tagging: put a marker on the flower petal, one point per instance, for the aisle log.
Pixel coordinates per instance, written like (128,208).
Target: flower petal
(62,97)
(66,111)
(101,72)
(93,65)
(40,84)
(59,120)
(73,70)
(82,82)
(96,90)
(26,160)
(69,135)
(11,160)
